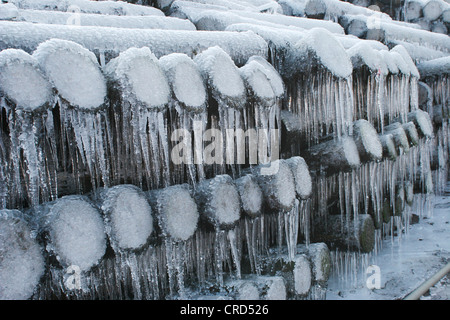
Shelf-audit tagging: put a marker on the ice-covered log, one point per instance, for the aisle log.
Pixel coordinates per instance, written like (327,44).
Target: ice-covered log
(104,20)
(21,260)
(222,77)
(297,273)
(277,184)
(74,72)
(218,201)
(412,9)
(356,234)
(302,177)
(434,67)
(334,155)
(109,42)
(128,217)
(191,94)
(137,74)
(22,81)
(432,10)
(75,232)
(439,27)
(363,54)
(8,11)
(253,287)
(367,141)
(319,255)
(411,133)
(389,148)
(258,84)
(423,123)
(314,48)
(425,93)
(251,195)
(400,137)
(86,6)
(272,74)
(176,211)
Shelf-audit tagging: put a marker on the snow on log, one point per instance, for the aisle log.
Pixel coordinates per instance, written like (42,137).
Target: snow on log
(411,133)
(8,11)
(102,20)
(432,10)
(22,81)
(363,54)
(333,156)
(389,148)
(86,6)
(302,177)
(222,77)
(251,195)
(319,255)
(176,211)
(434,67)
(258,84)
(190,94)
(314,48)
(277,184)
(356,235)
(315,9)
(253,287)
(138,76)
(109,42)
(423,123)
(21,260)
(219,202)
(76,232)
(128,217)
(439,27)
(400,137)
(367,141)
(74,72)
(425,93)
(412,9)
(272,74)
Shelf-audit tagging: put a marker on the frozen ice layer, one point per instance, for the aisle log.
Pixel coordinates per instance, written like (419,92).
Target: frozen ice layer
(222,76)
(302,177)
(321,48)
(277,184)
(251,195)
(128,217)
(21,260)
(22,80)
(86,6)
(257,83)
(108,42)
(423,123)
(137,74)
(102,20)
(74,72)
(76,232)
(185,80)
(367,141)
(177,212)
(219,202)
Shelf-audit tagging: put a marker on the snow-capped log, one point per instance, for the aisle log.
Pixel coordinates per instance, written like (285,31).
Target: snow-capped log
(8,11)
(222,77)
(103,20)
(138,76)
(315,9)
(251,195)
(74,72)
(333,156)
(423,123)
(314,49)
(128,217)
(302,177)
(367,141)
(389,148)
(432,10)
(86,6)
(108,42)
(297,273)
(22,81)
(439,27)
(21,260)
(253,287)
(319,255)
(411,133)
(358,234)
(400,137)
(446,16)
(191,94)
(277,184)
(75,232)
(412,9)
(176,211)
(363,54)
(425,93)
(258,84)
(434,67)
(218,201)
(272,75)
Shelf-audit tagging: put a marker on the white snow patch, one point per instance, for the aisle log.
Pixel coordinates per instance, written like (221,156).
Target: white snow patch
(351,151)
(369,137)
(8,11)
(74,72)
(251,195)
(302,177)
(302,275)
(22,81)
